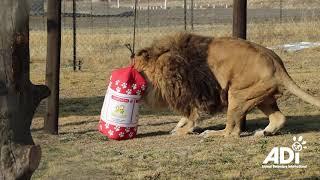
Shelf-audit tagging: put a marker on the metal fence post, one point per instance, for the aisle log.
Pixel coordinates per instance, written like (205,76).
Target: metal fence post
(191,12)
(280,11)
(74,35)
(148,15)
(185,14)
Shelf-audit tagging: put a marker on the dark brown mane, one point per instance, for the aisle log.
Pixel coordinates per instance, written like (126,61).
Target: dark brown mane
(177,69)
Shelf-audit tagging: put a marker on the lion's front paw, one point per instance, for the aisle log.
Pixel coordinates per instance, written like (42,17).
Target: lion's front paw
(210,133)
(259,133)
(182,131)
(263,133)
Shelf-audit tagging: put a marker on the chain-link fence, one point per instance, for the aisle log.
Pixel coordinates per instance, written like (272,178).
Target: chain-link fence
(104,26)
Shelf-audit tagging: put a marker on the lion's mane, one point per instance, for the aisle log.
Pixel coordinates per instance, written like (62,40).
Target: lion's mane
(178,74)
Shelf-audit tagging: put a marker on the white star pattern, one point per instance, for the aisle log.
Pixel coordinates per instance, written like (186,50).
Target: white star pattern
(131,134)
(138,92)
(124,85)
(117,128)
(127,129)
(121,134)
(117,82)
(107,125)
(143,87)
(134,86)
(100,127)
(129,91)
(110,132)
(118,89)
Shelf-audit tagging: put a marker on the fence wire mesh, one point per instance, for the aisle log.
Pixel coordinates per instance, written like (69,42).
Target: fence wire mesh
(104,26)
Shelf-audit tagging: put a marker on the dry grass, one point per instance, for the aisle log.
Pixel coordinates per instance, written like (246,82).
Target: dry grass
(80,152)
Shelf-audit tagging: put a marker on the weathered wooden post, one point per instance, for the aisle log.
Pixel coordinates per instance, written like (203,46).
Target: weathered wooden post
(240,18)
(53,65)
(19,98)
(240,30)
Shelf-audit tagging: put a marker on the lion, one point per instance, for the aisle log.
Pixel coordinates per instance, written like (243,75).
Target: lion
(191,74)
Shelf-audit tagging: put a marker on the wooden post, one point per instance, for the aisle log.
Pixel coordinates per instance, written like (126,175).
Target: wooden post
(240,18)
(19,98)
(53,65)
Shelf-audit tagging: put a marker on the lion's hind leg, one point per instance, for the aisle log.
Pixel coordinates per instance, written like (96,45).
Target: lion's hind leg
(240,102)
(276,118)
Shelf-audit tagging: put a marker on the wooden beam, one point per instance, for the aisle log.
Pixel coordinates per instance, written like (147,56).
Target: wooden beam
(240,18)
(53,65)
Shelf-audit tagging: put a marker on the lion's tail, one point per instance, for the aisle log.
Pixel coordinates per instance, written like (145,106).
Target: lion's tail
(296,90)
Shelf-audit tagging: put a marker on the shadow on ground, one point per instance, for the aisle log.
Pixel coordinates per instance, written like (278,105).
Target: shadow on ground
(90,106)
(294,125)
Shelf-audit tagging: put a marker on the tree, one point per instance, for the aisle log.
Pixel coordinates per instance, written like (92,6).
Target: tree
(19,98)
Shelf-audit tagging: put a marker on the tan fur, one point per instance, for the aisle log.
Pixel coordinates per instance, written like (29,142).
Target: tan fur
(192,73)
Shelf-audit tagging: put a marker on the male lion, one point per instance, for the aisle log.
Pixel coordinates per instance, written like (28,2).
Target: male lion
(192,73)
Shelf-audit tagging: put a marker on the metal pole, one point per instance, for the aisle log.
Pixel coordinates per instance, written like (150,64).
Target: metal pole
(280,11)
(91,15)
(74,36)
(43,17)
(240,18)
(191,15)
(134,25)
(148,18)
(185,14)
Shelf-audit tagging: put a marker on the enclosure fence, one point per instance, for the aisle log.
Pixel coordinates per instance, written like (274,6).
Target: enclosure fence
(102,27)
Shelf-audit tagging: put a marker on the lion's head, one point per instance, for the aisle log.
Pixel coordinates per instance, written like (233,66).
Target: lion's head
(178,75)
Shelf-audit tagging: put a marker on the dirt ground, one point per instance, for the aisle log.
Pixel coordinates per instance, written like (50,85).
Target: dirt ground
(80,152)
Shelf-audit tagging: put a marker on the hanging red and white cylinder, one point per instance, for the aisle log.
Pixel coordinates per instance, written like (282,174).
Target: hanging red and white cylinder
(120,110)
